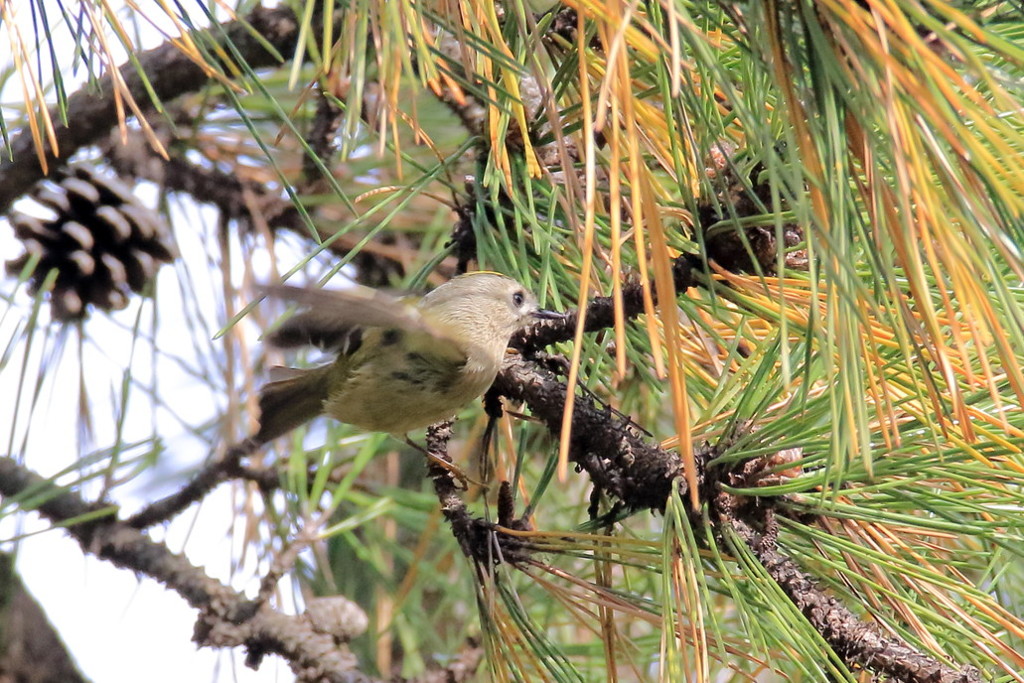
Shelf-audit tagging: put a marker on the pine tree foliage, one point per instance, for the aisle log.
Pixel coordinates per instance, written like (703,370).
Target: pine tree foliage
(790,392)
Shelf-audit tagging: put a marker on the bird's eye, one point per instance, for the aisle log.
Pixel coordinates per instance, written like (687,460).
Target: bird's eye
(518,298)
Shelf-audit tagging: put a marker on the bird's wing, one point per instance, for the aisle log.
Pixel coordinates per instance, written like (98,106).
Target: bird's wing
(314,328)
(335,317)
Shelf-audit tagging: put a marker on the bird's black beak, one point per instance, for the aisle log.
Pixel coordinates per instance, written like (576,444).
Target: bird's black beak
(543,314)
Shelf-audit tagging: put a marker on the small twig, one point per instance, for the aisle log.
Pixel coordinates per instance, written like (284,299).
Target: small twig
(321,140)
(205,183)
(446,463)
(479,539)
(285,559)
(207,479)
(439,470)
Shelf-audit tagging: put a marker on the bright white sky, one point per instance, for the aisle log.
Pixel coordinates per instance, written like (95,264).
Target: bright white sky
(118,627)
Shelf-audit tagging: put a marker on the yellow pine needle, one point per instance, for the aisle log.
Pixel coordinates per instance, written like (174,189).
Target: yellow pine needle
(998,438)
(893,43)
(615,201)
(509,645)
(654,130)
(880,388)
(879,539)
(908,165)
(590,209)
(300,44)
(885,539)
(615,58)
(604,575)
(498,119)
(510,80)
(994,611)
(574,364)
(622,549)
(675,49)
(31,88)
(410,24)
(637,172)
(669,316)
(327,36)
(597,11)
(582,592)
(881,397)
(497,125)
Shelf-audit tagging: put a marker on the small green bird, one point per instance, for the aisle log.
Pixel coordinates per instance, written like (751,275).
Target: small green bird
(402,364)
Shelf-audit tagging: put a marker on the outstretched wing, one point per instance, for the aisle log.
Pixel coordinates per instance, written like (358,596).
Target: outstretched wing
(313,328)
(336,318)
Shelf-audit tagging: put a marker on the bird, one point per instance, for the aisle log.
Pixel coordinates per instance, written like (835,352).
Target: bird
(402,364)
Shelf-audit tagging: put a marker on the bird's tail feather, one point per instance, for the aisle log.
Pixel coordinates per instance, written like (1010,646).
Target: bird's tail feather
(289,402)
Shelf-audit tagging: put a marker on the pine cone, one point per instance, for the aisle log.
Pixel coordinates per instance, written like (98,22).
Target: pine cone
(102,241)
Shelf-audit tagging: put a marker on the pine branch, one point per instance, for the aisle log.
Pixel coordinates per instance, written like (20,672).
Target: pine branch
(620,462)
(859,643)
(227,618)
(170,73)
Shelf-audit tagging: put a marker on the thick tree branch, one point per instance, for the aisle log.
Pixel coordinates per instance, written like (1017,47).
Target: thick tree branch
(446,487)
(234,197)
(608,447)
(170,72)
(480,540)
(250,203)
